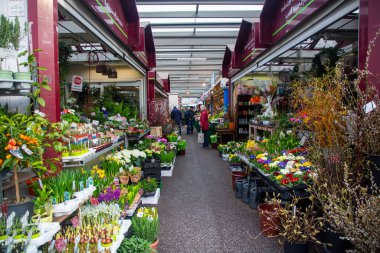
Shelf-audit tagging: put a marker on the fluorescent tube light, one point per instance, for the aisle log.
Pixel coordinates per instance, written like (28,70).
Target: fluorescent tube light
(171,30)
(251,7)
(191,59)
(166,8)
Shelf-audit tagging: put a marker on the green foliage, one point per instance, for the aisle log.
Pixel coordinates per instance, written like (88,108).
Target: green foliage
(70,118)
(147,226)
(135,245)
(111,168)
(65,53)
(280,141)
(149,185)
(16,35)
(43,198)
(167,157)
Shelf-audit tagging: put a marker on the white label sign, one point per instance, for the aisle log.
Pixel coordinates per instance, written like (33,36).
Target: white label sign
(16,8)
(77,83)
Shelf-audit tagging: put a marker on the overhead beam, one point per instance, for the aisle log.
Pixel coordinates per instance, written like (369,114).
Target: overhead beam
(199,2)
(201,41)
(196,25)
(202,14)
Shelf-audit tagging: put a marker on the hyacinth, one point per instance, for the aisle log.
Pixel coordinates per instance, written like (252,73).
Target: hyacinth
(110,195)
(163,140)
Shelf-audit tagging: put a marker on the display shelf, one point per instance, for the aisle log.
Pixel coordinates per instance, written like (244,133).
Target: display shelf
(67,163)
(22,177)
(153,200)
(15,81)
(285,192)
(253,128)
(137,138)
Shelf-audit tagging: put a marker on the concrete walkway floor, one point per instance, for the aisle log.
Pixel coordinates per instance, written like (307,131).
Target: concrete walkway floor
(199,212)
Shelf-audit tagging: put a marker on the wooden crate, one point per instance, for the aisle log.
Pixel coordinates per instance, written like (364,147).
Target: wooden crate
(156,131)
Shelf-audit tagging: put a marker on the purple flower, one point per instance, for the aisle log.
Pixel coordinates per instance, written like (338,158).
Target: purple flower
(252,156)
(282,164)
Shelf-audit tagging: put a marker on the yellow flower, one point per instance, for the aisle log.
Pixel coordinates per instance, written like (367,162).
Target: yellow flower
(265,141)
(260,156)
(279,177)
(307,164)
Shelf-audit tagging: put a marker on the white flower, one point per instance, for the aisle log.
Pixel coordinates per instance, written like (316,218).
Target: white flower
(282,135)
(284,171)
(289,131)
(298,173)
(274,164)
(300,158)
(289,165)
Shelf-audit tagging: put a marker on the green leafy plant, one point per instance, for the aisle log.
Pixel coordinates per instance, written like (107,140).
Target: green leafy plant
(145,224)
(43,197)
(149,185)
(135,245)
(167,157)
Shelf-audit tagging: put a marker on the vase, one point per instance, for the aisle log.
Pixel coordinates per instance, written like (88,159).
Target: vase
(154,246)
(269,220)
(290,247)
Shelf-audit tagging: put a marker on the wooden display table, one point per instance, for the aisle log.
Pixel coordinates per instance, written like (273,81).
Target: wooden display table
(253,128)
(223,132)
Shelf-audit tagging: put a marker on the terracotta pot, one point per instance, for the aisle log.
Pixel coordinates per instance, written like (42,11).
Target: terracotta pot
(154,246)
(269,220)
(124,179)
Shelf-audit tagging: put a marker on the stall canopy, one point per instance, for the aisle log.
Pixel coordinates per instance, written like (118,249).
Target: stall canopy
(278,17)
(248,44)
(229,67)
(146,52)
(121,17)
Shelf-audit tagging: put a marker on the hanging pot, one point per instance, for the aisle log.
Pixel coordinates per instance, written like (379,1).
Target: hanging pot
(101,68)
(112,73)
(290,247)
(105,71)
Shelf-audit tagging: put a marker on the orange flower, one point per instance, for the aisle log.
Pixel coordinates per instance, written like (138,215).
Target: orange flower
(8,156)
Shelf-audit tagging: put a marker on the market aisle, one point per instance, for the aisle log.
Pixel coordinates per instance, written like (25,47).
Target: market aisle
(199,212)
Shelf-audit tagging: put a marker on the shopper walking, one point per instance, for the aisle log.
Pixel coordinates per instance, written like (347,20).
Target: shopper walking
(176,116)
(204,125)
(189,117)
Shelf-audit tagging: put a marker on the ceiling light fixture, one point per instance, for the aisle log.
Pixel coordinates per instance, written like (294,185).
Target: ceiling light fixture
(191,59)
(166,8)
(250,7)
(204,84)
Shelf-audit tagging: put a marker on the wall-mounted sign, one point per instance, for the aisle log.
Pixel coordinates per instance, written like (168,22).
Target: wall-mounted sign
(16,8)
(77,83)
(278,17)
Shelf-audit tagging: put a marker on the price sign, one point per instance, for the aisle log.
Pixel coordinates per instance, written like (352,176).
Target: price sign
(90,181)
(116,181)
(53,200)
(66,196)
(75,221)
(303,140)
(81,186)
(77,83)
(60,244)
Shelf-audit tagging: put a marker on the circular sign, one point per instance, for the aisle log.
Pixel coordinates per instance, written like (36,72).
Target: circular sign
(77,80)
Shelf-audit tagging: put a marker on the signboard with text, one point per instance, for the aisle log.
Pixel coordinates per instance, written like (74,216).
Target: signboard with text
(248,44)
(77,83)
(278,17)
(146,51)
(229,67)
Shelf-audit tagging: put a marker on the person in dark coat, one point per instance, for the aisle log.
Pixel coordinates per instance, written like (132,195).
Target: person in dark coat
(189,117)
(204,125)
(176,116)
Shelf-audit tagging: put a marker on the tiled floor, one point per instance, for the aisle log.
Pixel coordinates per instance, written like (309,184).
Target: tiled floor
(199,212)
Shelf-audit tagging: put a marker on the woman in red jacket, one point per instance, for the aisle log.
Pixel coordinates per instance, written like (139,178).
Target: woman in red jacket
(204,124)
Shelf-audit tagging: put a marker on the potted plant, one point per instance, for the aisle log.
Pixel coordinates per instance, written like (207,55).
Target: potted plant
(135,174)
(297,226)
(124,177)
(149,186)
(135,245)
(145,225)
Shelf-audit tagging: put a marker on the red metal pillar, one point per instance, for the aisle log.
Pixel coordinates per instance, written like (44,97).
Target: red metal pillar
(151,92)
(44,17)
(369,25)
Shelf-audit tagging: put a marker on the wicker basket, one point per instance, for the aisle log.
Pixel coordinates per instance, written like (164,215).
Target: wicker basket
(135,178)
(124,179)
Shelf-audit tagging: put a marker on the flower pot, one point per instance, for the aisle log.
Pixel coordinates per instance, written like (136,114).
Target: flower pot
(27,76)
(135,178)
(245,193)
(6,75)
(290,247)
(269,220)
(124,179)
(21,208)
(333,239)
(154,246)
(235,175)
(239,187)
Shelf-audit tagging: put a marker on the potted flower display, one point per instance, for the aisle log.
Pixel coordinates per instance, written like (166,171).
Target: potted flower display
(145,225)
(149,186)
(135,245)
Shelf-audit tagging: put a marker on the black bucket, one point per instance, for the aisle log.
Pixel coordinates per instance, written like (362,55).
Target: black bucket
(245,195)
(239,187)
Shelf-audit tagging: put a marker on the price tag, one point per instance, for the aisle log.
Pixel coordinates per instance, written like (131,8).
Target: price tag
(60,244)
(53,200)
(94,201)
(66,196)
(95,122)
(121,169)
(10,220)
(90,181)
(74,185)
(90,136)
(16,153)
(81,186)
(303,140)
(51,246)
(75,221)
(26,149)
(40,183)
(73,125)
(116,181)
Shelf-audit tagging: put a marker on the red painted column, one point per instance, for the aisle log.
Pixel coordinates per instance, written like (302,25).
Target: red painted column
(151,92)
(369,25)
(44,17)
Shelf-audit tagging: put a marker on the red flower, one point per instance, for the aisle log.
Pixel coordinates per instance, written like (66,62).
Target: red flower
(294,179)
(276,173)
(289,175)
(306,177)
(284,181)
